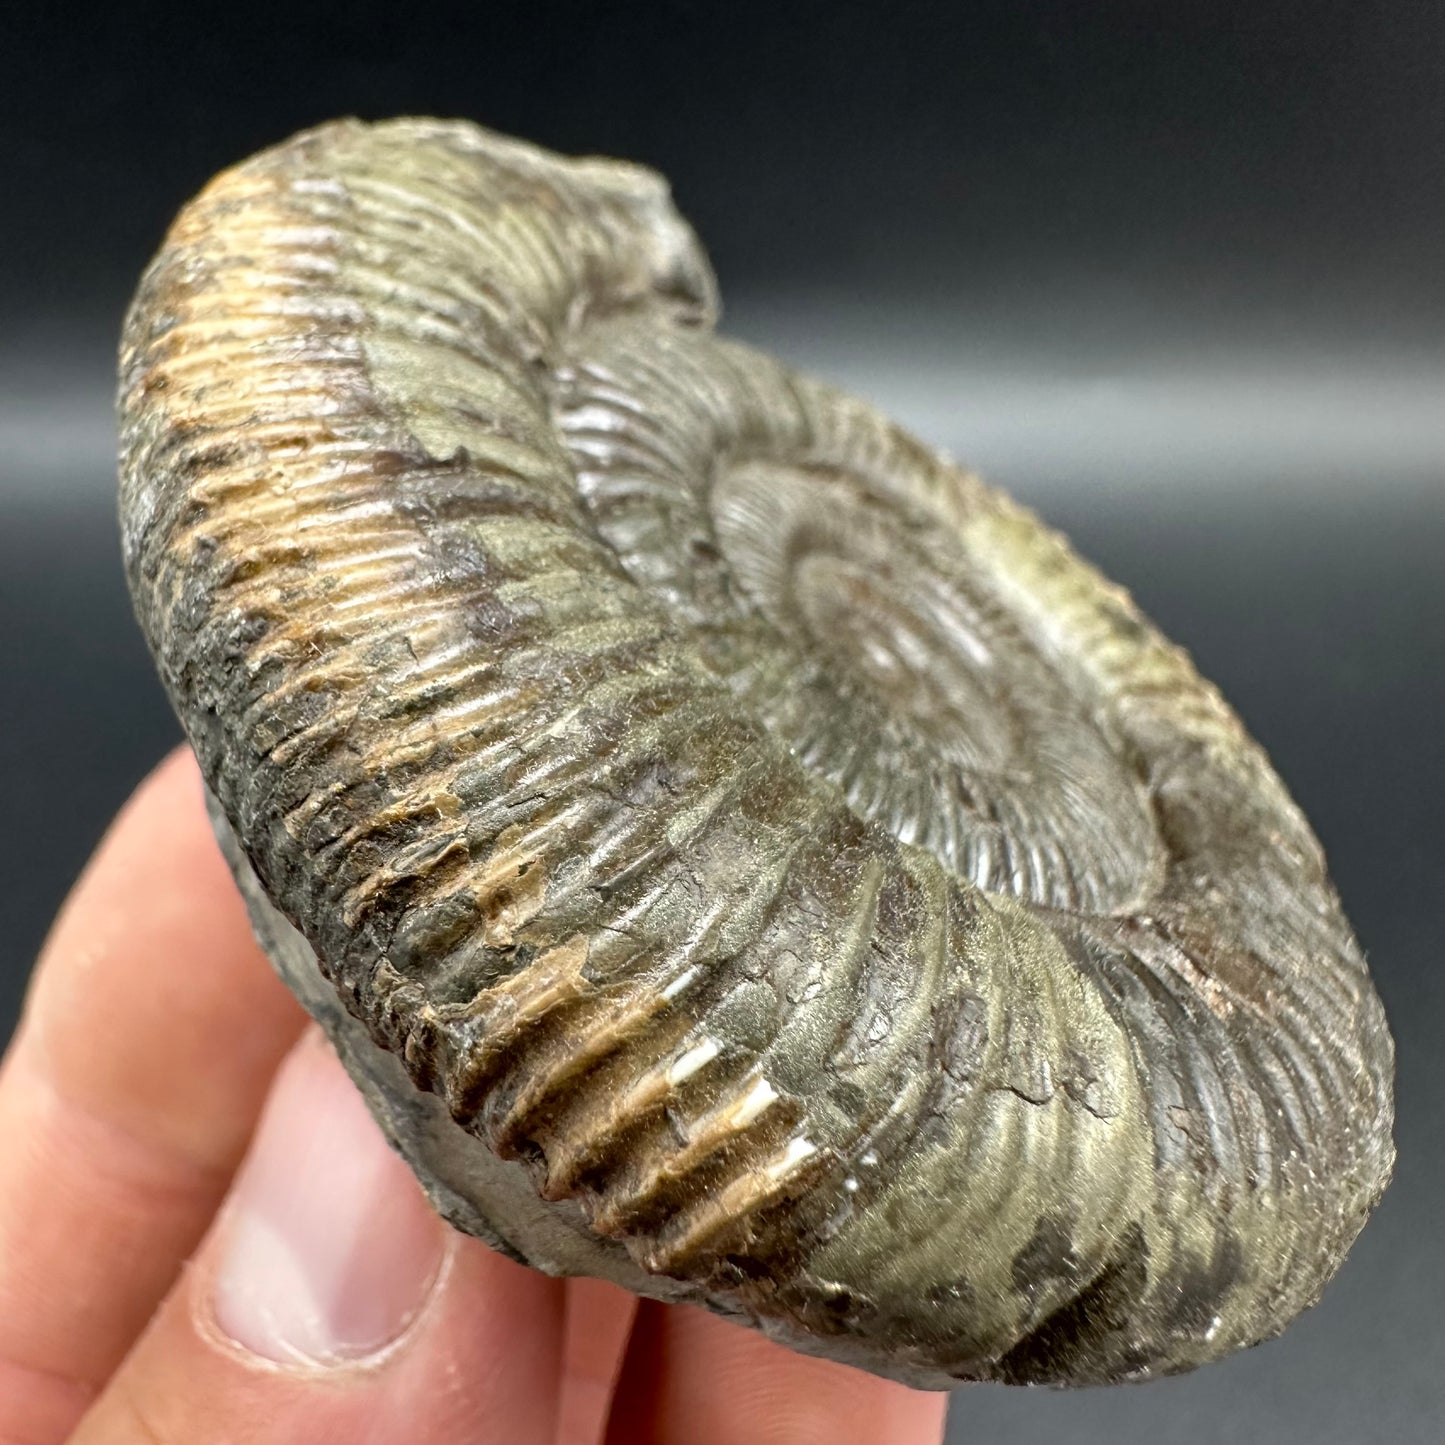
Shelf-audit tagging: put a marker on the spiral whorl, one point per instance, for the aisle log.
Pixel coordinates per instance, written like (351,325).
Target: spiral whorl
(835,893)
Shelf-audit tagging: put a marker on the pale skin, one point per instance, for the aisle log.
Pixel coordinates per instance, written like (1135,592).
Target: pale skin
(160,1107)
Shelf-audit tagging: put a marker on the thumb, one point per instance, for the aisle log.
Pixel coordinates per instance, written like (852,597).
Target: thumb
(328,1302)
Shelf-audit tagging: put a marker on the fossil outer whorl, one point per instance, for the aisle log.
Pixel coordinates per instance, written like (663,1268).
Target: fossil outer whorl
(848,909)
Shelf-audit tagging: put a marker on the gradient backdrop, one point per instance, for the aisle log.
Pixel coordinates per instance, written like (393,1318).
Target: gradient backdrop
(1170,274)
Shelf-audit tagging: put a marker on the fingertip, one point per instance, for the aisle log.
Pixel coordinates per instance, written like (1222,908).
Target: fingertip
(151,1030)
(327,1250)
(171,794)
(330,1302)
(599,1319)
(692,1377)
(152,1006)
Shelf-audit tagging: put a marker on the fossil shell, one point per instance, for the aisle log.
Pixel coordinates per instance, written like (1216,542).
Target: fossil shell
(738,853)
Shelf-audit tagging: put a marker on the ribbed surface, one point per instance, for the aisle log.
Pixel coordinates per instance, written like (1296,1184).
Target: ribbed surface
(774,836)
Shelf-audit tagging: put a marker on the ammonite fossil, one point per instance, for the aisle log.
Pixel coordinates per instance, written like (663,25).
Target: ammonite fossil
(739,854)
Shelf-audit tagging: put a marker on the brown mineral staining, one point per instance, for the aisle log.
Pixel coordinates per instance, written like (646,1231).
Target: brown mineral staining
(737,853)
(509,891)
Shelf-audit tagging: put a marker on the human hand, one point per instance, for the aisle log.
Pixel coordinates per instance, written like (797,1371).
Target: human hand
(205,1238)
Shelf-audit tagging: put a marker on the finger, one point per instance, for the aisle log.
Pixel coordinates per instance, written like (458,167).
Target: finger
(330,1303)
(690,1377)
(598,1322)
(152,1028)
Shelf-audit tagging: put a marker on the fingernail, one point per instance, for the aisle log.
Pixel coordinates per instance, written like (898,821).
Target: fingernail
(328,1247)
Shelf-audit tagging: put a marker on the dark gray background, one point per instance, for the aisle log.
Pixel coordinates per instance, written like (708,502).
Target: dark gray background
(1172,278)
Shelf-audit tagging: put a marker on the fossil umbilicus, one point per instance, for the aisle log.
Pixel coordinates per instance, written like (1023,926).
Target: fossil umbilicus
(738,854)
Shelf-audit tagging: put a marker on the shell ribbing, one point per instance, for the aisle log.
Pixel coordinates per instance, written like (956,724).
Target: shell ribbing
(771,834)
